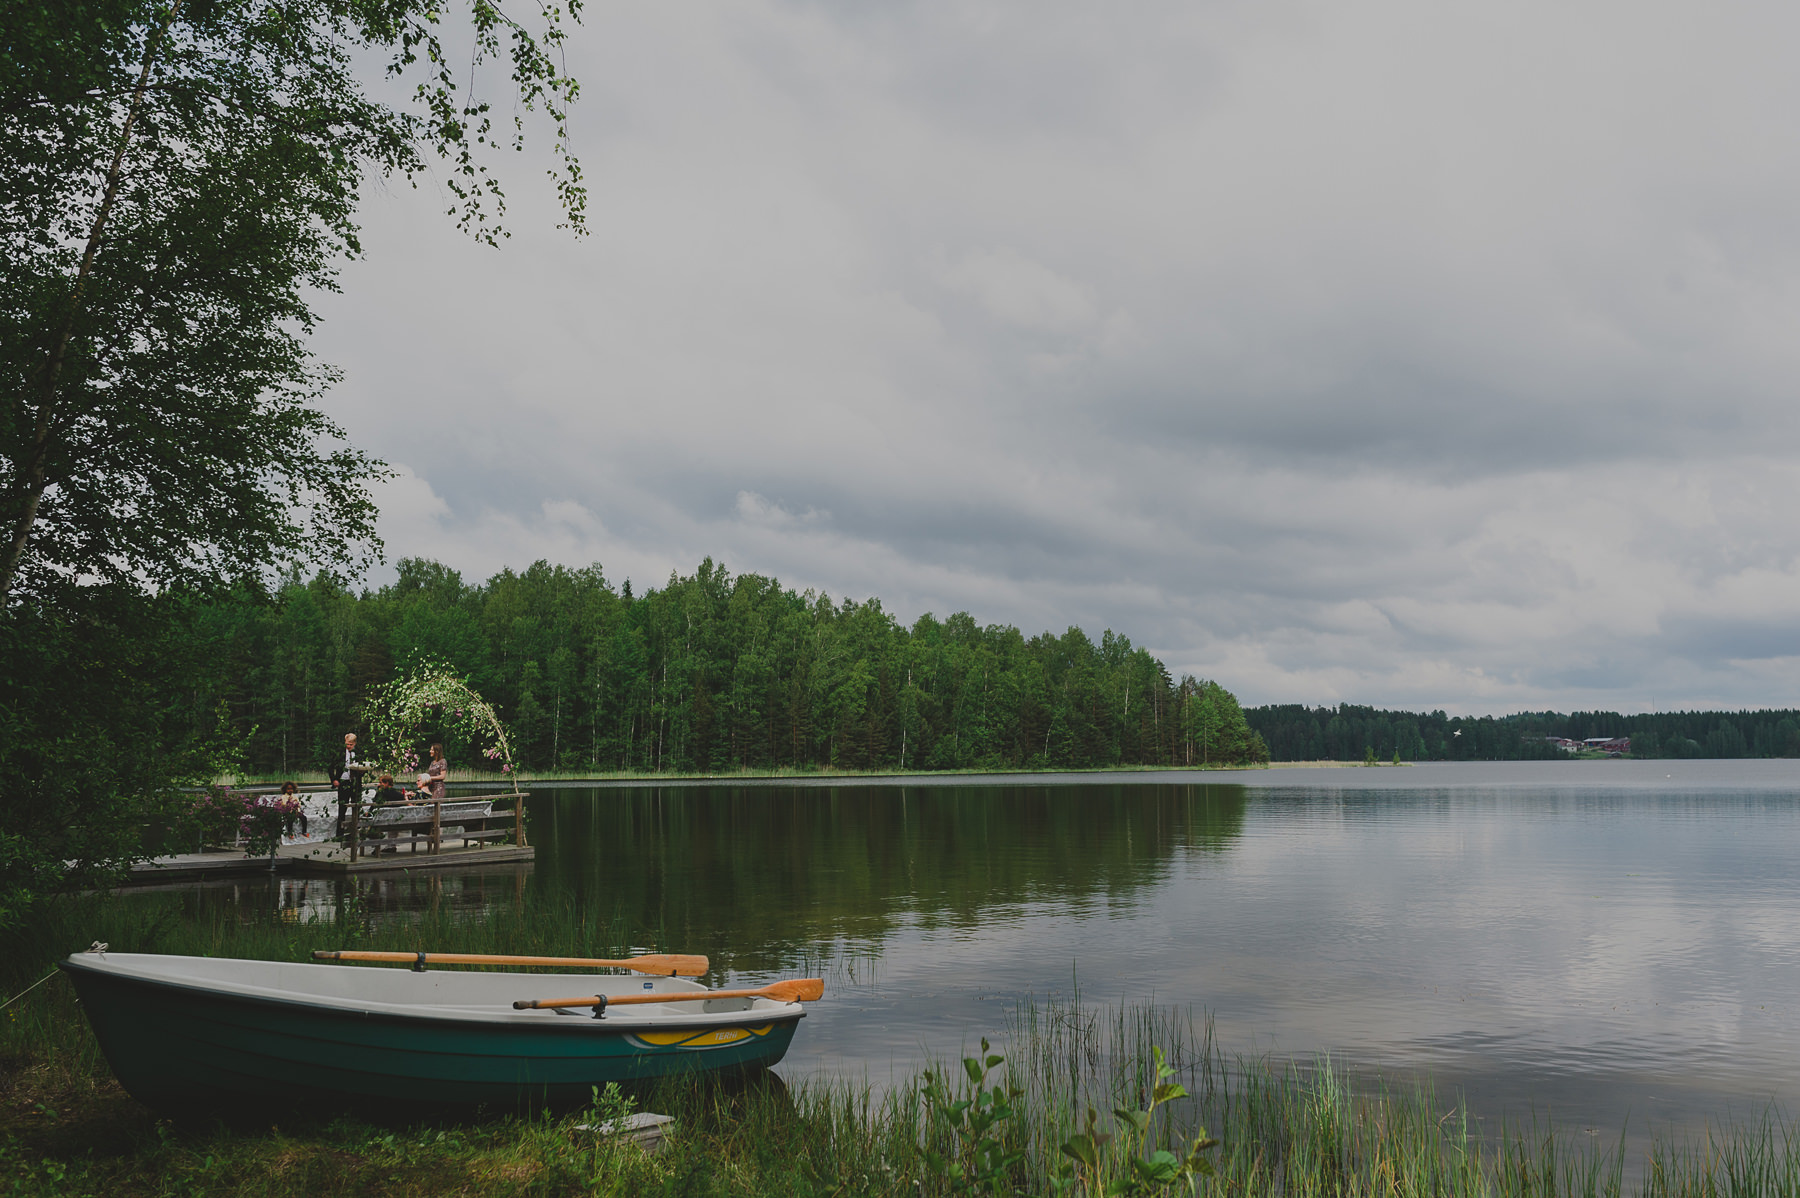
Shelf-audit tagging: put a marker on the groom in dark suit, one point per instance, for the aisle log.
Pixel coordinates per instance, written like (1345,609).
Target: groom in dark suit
(347,777)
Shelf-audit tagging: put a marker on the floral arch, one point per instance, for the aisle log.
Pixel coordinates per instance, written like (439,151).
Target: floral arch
(429,694)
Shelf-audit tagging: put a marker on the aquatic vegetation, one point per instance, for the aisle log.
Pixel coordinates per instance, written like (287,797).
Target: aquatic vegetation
(970,1143)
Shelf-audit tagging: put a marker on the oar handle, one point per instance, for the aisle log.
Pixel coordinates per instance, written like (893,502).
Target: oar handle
(662,964)
(797,990)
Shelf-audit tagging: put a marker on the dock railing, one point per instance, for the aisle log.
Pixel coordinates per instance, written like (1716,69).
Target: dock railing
(424,823)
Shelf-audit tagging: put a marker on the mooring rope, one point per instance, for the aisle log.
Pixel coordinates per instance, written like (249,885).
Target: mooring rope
(21,994)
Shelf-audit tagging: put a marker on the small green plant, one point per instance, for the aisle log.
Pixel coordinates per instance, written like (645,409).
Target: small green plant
(1369,755)
(580,1154)
(1105,1163)
(981,1160)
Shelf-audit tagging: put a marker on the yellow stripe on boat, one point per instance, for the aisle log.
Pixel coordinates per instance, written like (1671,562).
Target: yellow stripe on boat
(712,1037)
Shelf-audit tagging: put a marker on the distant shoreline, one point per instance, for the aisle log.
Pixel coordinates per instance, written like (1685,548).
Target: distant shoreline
(1419,772)
(526,778)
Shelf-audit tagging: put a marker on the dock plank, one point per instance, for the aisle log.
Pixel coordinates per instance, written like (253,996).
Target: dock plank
(318,860)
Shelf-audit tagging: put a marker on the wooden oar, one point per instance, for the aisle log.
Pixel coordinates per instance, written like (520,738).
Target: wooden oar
(666,964)
(797,990)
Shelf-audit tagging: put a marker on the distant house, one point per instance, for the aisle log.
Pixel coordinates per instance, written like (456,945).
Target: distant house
(1564,743)
(1612,746)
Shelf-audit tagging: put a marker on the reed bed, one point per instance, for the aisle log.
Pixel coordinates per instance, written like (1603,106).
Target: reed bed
(1282,1128)
(1301,1130)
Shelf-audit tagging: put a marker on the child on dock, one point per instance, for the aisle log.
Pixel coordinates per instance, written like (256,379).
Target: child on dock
(292,792)
(387,794)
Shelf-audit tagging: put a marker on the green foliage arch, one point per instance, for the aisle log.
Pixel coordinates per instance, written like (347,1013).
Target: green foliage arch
(430,698)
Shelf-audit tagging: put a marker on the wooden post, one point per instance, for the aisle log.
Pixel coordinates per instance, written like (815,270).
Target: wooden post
(519,820)
(437,824)
(355,826)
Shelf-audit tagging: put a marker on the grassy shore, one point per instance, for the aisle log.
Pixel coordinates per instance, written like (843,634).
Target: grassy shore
(67,1129)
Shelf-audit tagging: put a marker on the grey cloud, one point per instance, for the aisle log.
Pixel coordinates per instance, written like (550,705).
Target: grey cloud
(1434,358)
(1702,641)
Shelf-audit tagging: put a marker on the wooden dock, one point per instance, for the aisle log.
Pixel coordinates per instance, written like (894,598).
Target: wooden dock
(319,861)
(415,832)
(197,867)
(333,861)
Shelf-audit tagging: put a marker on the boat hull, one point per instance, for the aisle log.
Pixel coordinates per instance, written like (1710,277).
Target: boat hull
(177,1046)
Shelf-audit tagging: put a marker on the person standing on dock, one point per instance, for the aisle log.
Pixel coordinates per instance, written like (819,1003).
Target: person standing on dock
(439,770)
(348,778)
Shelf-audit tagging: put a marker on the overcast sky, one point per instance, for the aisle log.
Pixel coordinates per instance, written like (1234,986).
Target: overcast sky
(1417,354)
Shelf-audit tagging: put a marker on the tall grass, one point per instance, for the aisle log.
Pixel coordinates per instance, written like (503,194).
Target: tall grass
(1285,1128)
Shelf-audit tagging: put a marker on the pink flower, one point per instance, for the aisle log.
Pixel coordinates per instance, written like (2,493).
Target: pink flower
(506,769)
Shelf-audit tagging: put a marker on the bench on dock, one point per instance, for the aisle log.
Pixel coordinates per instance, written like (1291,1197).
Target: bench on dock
(434,821)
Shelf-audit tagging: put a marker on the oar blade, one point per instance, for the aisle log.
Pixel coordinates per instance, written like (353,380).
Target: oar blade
(686,965)
(797,990)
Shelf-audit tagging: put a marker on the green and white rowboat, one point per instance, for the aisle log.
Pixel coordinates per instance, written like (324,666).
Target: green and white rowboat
(184,1032)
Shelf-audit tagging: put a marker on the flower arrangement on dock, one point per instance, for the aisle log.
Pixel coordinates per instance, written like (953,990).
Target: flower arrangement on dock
(225,815)
(265,820)
(217,814)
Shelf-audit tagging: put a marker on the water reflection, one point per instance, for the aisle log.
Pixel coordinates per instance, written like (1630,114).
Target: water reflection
(759,877)
(376,900)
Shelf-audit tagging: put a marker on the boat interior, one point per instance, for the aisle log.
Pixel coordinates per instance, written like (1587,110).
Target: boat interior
(456,990)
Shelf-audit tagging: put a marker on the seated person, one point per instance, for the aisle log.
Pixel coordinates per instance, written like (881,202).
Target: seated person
(291,792)
(386,795)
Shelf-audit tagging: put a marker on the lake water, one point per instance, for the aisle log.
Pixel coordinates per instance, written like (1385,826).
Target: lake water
(1602,942)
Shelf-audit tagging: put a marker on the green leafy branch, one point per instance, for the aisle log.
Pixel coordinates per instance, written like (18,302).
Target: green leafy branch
(1113,1164)
(454,125)
(981,1159)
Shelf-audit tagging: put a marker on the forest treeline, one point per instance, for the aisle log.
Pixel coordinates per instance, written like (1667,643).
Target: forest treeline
(1348,732)
(709,673)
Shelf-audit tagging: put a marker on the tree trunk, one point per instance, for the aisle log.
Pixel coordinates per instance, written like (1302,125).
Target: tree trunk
(31,483)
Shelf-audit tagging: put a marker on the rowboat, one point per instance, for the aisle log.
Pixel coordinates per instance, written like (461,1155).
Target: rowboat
(182,1032)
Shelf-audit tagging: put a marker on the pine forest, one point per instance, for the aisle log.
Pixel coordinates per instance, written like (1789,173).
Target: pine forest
(711,673)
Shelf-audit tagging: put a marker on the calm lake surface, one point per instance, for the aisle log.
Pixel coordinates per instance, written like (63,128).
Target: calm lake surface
(1609,943)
